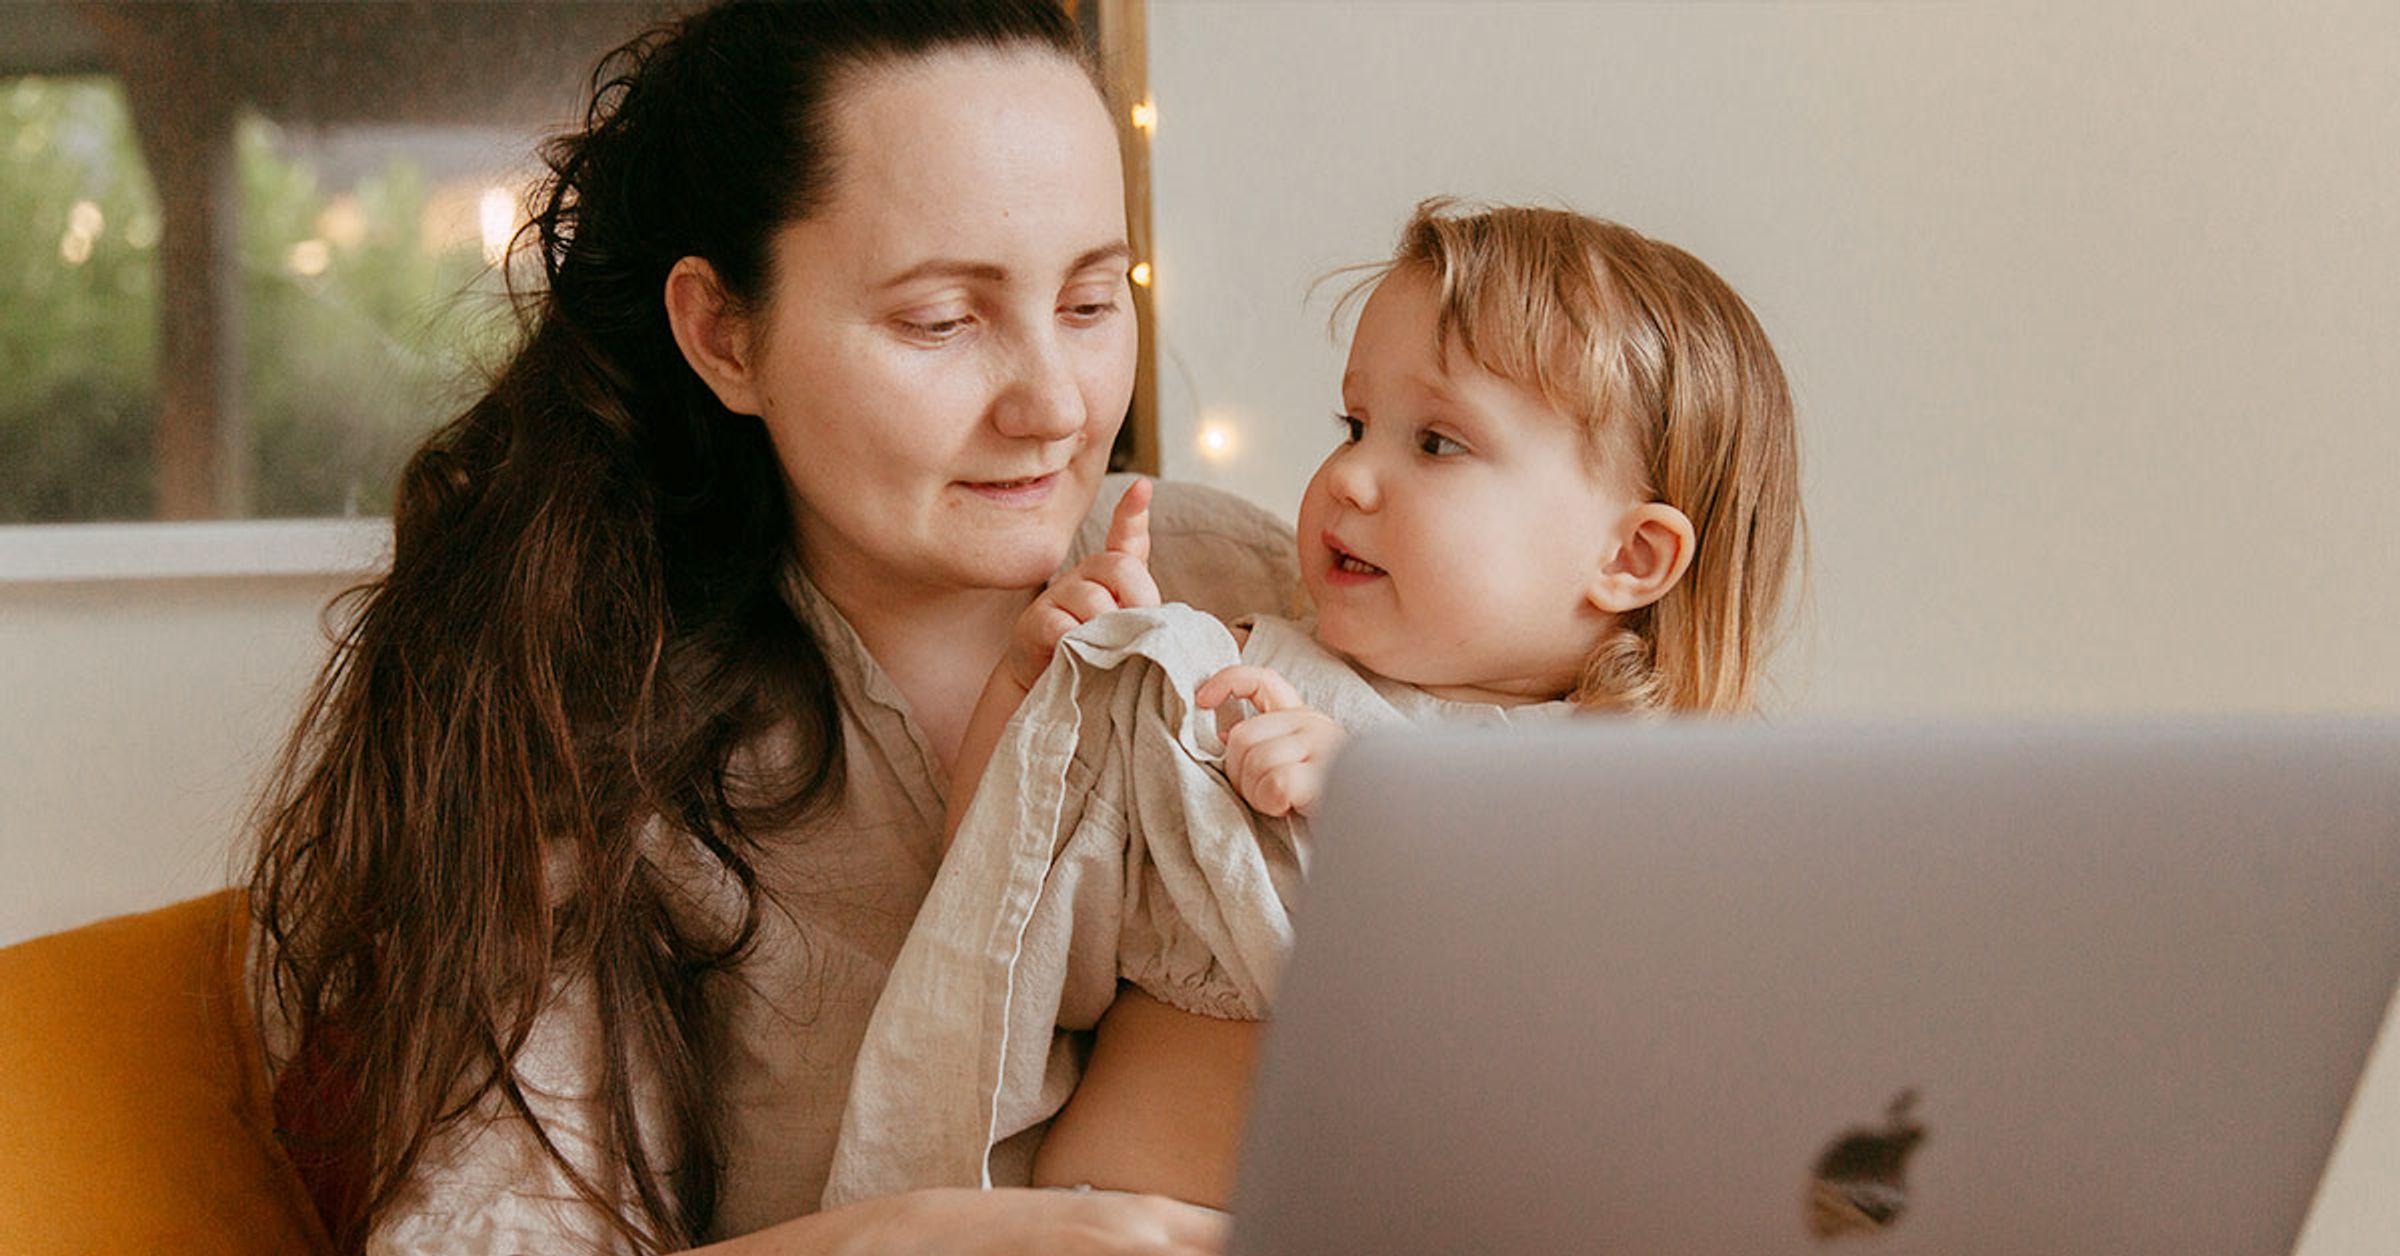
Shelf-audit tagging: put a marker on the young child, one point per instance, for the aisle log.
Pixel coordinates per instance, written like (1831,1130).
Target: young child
(1567,481)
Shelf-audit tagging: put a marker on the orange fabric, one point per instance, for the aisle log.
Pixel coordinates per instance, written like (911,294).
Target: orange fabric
(134,1114)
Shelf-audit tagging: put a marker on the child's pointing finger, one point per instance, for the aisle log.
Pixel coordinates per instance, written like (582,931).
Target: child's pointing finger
(1129,527)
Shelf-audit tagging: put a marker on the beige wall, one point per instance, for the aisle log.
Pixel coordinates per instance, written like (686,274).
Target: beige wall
(136,719)
(2093,311)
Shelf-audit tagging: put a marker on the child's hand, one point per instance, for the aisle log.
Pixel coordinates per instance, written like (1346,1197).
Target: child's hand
(1117,576)
(1277,758)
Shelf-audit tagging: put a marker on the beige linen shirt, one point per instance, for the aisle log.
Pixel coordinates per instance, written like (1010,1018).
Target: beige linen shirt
(838,897)
(1105,844)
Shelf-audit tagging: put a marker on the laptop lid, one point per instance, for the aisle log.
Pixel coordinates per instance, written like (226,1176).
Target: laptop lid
(1933,989)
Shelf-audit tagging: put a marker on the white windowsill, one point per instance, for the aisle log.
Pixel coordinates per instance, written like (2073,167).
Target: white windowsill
(67,552)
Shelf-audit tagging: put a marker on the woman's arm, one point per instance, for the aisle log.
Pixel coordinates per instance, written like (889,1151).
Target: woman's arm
(1160,1107)
(969,1222)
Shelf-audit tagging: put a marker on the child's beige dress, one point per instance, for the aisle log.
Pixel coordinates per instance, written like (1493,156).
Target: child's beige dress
(1104,844)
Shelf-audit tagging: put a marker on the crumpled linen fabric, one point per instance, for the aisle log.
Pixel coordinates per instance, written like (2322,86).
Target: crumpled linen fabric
(1106,843)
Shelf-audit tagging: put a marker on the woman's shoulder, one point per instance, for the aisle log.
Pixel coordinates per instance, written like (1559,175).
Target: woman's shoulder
(1209,548)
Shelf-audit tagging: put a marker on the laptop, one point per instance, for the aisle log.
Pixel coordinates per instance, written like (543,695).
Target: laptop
(1928,989)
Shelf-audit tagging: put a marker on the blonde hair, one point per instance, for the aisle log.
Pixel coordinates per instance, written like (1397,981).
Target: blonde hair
(1673,381)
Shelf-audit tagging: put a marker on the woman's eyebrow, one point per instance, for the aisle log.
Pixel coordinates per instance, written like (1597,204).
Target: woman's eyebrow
(950,268)
(1114,251)
(993,272)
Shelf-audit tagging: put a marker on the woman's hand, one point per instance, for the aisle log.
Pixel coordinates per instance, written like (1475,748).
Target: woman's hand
(1117,576)
(969,1222)
(1277,758)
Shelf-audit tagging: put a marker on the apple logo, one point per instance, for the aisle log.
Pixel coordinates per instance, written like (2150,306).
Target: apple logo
(1861,1182)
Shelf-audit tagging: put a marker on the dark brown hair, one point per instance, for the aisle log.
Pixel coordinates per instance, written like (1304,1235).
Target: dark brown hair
(581,625)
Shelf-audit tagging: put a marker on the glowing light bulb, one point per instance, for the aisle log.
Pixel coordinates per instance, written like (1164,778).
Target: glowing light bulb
(1218,441)
(1140,275)
(1145,117)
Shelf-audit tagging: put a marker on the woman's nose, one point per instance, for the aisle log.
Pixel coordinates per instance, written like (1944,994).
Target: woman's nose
(1043,399)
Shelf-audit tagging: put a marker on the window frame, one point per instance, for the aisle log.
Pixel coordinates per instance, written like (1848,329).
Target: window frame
(209,549)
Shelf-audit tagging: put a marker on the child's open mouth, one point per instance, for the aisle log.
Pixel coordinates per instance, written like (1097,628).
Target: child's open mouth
(1349,568)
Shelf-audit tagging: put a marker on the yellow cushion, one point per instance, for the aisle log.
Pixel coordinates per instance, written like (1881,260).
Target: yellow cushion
(134,1109)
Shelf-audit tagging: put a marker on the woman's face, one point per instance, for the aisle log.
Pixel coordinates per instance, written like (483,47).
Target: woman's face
(948,346)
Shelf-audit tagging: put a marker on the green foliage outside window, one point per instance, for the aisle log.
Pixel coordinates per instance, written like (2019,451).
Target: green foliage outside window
(355,341)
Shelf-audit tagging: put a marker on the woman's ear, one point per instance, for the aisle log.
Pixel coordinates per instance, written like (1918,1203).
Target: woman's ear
(713,335)
(1655,544)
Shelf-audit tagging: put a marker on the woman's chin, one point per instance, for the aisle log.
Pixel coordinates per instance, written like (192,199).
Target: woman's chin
(1013,562)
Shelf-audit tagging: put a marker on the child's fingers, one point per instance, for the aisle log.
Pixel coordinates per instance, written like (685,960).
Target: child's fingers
(1129,527)
(1124,576)
(1037,639)
(1281,789)
(1287,789)
(1262,755)
(1049,624)
(1261,687)
(1082,599)
(1270,726)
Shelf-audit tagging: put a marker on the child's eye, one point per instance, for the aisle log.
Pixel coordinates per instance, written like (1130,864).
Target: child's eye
(1352,428)
(1438,445)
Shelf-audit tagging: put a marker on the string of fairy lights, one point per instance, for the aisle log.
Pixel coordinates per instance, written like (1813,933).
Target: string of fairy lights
(1215,439)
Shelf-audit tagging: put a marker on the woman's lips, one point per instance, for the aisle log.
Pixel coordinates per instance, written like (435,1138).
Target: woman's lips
(1026,492)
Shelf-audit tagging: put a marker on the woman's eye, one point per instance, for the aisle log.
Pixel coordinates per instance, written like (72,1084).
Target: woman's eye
(935,330)
(1352,429)
(1438,445)
(1088,303)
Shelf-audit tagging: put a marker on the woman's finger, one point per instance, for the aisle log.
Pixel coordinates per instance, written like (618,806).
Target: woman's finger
(1152,1225)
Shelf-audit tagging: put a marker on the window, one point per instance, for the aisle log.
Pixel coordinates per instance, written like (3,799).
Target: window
(359,303)
(247,246)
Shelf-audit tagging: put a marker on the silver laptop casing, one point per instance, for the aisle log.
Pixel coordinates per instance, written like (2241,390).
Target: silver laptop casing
(1618,988)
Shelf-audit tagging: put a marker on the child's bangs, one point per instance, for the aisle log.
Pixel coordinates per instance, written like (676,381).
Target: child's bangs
(1526,294)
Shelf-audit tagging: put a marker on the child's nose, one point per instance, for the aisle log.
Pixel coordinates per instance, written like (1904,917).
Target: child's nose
(1352,481)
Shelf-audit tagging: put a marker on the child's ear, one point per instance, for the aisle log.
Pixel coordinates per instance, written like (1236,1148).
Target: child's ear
(712,334)
(1655,544)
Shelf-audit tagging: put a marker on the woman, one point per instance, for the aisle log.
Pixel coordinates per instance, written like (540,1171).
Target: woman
(604,823)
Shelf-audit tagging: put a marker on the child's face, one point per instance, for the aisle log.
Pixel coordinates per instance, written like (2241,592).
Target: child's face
(1476,507)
